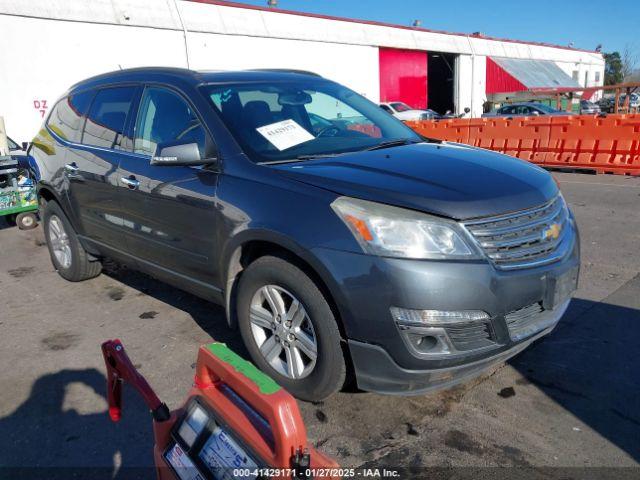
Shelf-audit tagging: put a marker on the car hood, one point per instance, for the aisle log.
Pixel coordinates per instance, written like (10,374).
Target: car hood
(450,180)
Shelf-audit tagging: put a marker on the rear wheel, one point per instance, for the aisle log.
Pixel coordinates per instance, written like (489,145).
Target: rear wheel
(289,329)
(27,220)
(68,256)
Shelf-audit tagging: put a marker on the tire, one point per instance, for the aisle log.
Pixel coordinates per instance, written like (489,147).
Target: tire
(74,263)
(316,379)
(27,221)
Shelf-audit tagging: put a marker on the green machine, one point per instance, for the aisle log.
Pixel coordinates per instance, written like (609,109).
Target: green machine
(18,201)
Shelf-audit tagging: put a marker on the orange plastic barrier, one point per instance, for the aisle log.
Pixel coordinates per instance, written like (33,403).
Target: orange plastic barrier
(608,144)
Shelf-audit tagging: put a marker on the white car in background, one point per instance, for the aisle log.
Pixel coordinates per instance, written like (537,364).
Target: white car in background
(404,112)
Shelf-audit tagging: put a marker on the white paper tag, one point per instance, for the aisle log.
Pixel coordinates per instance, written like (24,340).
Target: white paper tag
(182,464)
(285,134)
(222,454)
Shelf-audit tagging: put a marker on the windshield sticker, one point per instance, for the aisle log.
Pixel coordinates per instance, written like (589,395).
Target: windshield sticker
(285,134)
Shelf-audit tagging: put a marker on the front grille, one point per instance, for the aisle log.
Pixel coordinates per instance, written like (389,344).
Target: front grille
(523,239)
(471,335)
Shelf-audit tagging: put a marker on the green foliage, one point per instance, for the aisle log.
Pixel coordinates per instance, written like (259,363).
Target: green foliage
(613,68)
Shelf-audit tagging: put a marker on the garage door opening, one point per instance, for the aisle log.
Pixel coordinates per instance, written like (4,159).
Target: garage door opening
(441,81)
(403,77)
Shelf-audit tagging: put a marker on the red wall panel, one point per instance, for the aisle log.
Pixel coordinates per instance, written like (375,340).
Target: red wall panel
(501,81)
(403,76)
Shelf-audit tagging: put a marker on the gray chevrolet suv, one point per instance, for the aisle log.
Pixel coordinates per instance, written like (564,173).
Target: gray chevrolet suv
(341,243)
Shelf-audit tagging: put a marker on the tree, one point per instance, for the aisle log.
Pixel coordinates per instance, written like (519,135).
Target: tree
(629,61)
(613,68)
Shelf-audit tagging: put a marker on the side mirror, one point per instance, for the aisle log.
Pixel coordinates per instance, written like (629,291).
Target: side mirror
(25,146)
(467,109)
(179,154)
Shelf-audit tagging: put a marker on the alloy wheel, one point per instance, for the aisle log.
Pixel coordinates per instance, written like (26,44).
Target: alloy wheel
(59,241)
(283,332)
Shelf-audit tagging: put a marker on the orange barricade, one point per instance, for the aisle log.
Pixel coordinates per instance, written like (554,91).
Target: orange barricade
(608,144)
(605,144)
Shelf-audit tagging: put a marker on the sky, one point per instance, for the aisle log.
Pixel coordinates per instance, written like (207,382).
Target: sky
(586,23)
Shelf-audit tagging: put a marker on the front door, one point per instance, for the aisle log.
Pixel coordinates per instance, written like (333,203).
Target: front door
(169,211)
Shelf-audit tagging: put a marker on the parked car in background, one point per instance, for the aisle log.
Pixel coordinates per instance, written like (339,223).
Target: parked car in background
(589,108)
(404,112)
(634,100)
(525,109)
(607,102)
(363,248)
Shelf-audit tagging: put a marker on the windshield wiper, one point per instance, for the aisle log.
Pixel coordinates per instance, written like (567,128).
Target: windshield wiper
(301,158)
(391,143)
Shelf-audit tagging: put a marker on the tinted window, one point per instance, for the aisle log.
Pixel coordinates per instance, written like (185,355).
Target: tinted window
(165,118)
(107,116)
(401,107)
(66,117)
(386,109)
(546,108)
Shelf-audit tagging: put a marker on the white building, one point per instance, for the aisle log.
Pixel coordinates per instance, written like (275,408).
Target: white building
(48,45)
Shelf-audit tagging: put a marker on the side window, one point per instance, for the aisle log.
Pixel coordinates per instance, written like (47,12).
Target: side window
(107,116)
(66,117)
(165,118)
(386,108)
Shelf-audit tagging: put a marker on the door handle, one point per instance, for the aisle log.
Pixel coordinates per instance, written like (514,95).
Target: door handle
(130,182)
(71,168)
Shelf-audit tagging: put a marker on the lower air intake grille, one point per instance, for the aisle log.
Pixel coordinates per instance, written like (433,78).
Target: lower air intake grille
(471,335)
(526,321)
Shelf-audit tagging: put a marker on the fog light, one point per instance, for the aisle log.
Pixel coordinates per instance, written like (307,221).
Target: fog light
(443,333)
(405,316)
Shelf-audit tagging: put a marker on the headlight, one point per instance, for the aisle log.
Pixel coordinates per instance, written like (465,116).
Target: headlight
(395,232)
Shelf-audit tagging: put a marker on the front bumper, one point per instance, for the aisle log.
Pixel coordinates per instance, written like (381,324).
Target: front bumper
(365,287)
(377,372)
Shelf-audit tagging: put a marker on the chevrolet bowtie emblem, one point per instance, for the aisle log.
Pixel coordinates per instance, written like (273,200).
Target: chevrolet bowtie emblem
(552,233)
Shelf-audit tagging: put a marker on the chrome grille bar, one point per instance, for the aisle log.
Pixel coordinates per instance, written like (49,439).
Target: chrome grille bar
(523,239)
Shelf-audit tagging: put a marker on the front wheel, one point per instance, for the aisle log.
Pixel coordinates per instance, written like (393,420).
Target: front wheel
(289,329)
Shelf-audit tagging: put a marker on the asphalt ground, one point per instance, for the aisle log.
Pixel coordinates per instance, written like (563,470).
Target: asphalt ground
(568,407)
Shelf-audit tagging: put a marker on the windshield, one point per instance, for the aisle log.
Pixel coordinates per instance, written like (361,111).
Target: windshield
(13,145)
(401,107)
(546,108)
(279,121)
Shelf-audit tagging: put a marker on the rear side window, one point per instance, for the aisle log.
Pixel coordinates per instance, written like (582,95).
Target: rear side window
(107,117)
(165,118)
(66,117)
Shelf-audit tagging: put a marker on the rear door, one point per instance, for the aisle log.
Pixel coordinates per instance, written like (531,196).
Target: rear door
(171,210)
(91,167)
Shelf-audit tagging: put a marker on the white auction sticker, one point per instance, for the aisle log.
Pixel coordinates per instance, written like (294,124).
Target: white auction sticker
(285,134)
(182,464)
(222,454)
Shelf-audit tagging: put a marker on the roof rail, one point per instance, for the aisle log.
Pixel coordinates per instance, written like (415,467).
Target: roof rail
(285,70)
